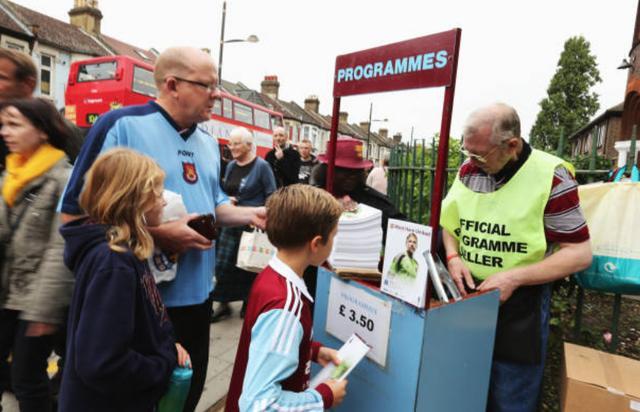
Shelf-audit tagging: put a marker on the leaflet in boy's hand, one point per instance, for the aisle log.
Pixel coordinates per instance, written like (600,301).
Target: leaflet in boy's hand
(350,354)
(405,269)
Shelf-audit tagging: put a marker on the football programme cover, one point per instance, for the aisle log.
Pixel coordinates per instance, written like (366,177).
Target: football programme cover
(405,270)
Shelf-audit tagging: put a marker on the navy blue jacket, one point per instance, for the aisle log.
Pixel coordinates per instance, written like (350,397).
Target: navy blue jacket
(257,186)
(120,346)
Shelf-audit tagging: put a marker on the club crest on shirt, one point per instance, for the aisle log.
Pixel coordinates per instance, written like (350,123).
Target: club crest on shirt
(189,173)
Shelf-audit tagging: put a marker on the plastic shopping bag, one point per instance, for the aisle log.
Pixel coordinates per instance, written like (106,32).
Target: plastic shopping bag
(255,251)
(164,267)
(611,210)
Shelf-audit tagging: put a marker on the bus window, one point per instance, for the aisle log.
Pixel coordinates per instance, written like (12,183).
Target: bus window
(143,82)
(226,108)
(262,118)
(97,71)
(242,113)
(276,121)
(217,107)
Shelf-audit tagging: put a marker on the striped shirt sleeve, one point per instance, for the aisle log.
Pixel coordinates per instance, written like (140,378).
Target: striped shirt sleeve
(273,357)
(563,218)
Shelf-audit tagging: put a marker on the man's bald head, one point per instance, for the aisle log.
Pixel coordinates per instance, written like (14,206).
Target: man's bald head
(501,118)
(181,62)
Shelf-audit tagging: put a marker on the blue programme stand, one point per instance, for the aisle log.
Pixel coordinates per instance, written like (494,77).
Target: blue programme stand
(437,360)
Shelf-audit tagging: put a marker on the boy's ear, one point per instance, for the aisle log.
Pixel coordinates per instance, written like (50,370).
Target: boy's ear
(315,243)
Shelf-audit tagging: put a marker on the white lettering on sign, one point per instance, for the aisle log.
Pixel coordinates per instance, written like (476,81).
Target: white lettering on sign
(352,310)
(391,67)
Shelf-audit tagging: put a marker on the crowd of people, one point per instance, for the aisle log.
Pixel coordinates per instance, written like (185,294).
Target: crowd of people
(75,243)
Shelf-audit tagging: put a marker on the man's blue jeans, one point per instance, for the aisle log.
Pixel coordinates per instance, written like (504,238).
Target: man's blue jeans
(515,387)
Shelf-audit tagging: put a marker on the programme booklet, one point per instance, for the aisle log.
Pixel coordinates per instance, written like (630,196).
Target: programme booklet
(350,354)
(405,269)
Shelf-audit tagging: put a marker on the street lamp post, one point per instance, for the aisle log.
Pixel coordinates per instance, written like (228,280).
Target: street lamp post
(369,129)
(251,39)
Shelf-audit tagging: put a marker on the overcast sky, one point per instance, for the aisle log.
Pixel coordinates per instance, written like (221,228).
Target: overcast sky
(509,49)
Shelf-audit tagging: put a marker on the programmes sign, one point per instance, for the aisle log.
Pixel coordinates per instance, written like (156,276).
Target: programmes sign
(421,62)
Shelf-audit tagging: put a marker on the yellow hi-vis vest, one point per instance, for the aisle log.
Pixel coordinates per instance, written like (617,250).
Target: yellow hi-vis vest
(503,229)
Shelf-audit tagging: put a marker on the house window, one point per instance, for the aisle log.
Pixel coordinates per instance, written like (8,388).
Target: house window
(46,74)
(14,46)
(305,132)
(601,133)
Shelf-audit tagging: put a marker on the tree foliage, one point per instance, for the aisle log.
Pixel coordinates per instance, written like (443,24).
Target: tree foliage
(409,183)
(570,103)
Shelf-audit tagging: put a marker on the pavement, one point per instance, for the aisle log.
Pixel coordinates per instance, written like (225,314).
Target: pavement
(224,342)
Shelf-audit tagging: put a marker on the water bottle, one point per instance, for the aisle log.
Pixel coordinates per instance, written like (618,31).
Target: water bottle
(173,400)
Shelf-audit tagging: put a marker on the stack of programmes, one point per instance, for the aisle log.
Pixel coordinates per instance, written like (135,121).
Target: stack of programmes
(359,240)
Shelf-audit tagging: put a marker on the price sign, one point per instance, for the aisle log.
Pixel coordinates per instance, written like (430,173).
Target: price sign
(352,310)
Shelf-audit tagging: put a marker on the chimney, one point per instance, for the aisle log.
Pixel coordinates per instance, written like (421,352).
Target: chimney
(364,126)
(344,116)
(312,104)
(397,138)
(384,133)
(270,86)
(86,16)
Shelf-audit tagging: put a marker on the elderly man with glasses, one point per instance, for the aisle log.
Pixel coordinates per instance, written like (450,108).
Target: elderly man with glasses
(167,130)
(512,221)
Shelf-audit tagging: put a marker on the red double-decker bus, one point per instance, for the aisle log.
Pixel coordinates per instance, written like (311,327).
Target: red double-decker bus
(101,84)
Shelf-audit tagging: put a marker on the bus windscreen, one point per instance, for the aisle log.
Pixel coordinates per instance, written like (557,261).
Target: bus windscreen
(97,71)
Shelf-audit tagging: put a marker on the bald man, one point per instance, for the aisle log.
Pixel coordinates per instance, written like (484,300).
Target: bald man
(167,130)
(284,159)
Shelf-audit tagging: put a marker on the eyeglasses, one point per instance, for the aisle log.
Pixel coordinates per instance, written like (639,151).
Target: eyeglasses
(210,88)
(478,158)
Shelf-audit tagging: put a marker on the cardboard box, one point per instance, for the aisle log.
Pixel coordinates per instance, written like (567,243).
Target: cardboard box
(599,382)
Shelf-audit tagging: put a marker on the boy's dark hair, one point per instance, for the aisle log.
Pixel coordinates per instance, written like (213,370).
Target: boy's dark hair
(298,213)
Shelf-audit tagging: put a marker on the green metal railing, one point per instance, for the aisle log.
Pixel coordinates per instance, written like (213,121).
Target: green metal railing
(411,174)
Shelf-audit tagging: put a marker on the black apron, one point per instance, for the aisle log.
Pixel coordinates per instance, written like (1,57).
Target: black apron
(519,328)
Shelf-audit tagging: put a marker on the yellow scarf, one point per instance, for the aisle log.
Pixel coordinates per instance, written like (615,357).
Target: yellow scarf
(22,170)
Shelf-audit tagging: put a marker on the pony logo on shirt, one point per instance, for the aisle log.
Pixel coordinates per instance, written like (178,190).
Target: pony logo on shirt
(189,173)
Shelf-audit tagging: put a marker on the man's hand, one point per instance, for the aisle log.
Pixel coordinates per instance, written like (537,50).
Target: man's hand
(279,153)
(176,236)
(460,271)
(327,356)
(35,329)
(339,389)
(504,281)
(259,218)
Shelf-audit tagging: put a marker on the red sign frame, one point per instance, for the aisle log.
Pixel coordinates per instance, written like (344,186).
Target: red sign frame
(421,76)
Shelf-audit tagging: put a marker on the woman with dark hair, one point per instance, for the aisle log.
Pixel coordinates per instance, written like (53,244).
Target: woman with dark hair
(35,286)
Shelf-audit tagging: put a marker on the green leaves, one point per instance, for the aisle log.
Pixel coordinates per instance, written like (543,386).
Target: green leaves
(569,104)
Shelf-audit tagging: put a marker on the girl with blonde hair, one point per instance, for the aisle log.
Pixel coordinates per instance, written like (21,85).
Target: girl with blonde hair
(120,346)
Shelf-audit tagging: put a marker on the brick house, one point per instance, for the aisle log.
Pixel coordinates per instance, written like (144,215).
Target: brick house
(607,127)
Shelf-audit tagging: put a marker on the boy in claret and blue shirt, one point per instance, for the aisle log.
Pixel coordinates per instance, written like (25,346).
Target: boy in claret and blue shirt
(273,362)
